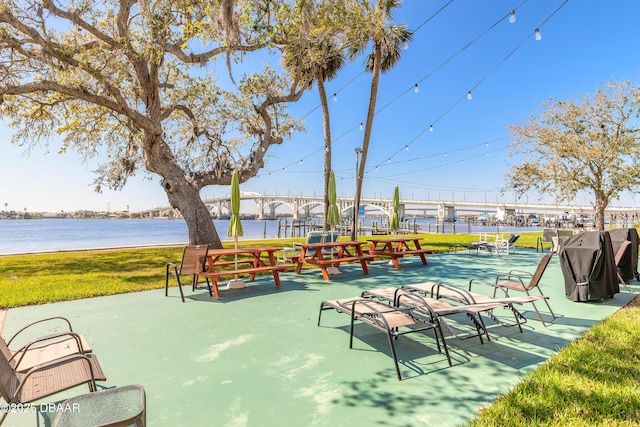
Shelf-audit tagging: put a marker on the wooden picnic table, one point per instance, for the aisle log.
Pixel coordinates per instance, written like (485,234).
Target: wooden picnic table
(331,254)
(398,247)
(249,257)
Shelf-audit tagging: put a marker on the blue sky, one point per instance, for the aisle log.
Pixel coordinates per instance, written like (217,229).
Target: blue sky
(584,44)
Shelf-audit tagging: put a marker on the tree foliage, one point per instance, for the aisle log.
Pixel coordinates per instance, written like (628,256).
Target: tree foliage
(131,82)
(315,53)
(372,27)
(588,144)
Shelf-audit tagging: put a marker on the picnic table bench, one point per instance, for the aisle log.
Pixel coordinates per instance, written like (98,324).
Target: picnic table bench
(255,261)
(398,247)
(323,255)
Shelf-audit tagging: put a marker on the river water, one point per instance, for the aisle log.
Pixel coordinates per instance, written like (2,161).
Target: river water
(54,234)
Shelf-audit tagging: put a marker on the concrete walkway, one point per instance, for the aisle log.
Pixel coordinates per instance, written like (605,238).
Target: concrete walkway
(256,357)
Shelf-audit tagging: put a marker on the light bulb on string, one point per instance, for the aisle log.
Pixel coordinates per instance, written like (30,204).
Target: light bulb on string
(406,147)
(405,45)
(335,97)
(300,161)
(389,160)
(512,16)
(538,35)
(431,128)
(469,97)
(415,88)
(361,126)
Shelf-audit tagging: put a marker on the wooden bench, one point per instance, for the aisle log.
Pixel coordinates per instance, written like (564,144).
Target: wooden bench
(394,255)
(335,262)
(331,261)
(251,271)
(233,262)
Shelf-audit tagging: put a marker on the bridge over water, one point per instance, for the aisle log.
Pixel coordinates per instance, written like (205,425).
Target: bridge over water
(299,206)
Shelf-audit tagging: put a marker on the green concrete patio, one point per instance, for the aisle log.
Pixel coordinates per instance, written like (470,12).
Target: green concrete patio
(256,357)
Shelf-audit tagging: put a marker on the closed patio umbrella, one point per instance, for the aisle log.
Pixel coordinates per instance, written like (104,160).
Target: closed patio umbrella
(394,225)
(333,215)
(235,226)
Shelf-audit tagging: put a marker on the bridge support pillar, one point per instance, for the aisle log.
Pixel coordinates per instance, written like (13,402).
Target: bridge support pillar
(296,206)
(260,204)
(446,212)
(219,209)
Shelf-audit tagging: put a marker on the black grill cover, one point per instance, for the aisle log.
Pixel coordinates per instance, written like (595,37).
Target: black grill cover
(588,266)
(628,266)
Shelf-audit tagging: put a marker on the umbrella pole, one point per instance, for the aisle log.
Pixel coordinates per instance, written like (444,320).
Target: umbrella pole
(236,283)
(331,269)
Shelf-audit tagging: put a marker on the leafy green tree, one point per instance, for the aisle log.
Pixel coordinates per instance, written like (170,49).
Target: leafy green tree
(371,27)
(588,144)
(315,53)
(123,80)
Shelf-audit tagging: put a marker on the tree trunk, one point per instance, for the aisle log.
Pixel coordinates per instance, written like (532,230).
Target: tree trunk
(367,134)
(186,199)
(182,195)
(601,205)
(326,124)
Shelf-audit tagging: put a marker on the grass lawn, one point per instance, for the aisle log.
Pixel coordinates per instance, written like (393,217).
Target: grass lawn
(594,381)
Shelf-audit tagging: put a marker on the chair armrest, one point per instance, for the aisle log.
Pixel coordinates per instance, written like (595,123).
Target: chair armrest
(22,350)
(520,272)
(57,362)
(460,295)
(38,322)
(482,282)
(509,277)
(46,338)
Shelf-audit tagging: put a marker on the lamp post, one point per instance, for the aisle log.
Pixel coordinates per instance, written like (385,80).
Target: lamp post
(354,230)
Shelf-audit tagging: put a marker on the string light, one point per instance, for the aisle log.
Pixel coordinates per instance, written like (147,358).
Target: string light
(537,34)
(406,147)
(405,45)
(512,16)
(335,97)
(415,88)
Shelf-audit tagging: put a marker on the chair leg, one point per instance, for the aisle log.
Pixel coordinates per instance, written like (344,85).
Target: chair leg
(395,357)
(209,286)
(623,283)
(180,287)
(166,282)
(320,312)
(444,342)
(353,319)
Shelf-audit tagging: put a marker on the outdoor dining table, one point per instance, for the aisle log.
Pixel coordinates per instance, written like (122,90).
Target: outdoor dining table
(249,261)
(398,247)
(331,254)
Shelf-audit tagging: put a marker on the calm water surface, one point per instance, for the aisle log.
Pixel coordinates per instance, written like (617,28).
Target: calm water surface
(53,234)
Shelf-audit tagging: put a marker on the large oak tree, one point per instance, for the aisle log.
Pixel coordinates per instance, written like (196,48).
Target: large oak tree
(123,81)
(588,144)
